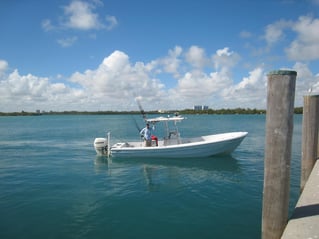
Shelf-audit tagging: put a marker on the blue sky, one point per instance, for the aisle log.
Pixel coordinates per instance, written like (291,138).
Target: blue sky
(101,55)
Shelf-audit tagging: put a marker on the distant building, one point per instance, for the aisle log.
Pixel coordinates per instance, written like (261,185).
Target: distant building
(161,111)
(200,107)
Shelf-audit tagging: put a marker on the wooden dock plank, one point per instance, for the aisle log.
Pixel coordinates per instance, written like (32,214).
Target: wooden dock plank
(304,222)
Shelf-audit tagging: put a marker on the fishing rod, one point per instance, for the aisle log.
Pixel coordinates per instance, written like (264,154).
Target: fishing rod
(136,125)
(141,109)
(145,119)
(142,113)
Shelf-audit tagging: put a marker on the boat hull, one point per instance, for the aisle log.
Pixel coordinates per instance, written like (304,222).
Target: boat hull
(208,146)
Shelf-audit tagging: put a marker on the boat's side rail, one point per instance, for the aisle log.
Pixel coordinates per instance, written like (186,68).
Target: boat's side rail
(224,136)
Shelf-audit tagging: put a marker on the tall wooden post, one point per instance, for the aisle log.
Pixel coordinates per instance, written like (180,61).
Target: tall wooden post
(279,129)
(309,137)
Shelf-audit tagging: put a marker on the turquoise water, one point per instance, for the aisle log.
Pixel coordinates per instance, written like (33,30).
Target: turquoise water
(52,184)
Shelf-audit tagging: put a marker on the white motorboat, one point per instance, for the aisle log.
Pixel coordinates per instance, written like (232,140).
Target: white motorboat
(172,145)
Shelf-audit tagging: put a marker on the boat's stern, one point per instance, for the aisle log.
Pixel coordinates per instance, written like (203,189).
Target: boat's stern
(100,146)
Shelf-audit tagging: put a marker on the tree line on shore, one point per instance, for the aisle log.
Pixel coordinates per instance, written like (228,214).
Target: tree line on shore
(297,110)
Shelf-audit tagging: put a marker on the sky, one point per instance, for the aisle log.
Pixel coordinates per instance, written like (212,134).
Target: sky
(99,55)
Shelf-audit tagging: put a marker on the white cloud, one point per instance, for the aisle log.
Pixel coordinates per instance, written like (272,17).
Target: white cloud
(67,42)
(223,52)
(116,81)
(198,86)
(47,25)
(306,46)
(3,67)
(245,34)
(169,64)
(275,32)
(196,57)
(29,92)
(24,86)
(306,81)
(249,92)
(81,15)
(224,58)
(111,22)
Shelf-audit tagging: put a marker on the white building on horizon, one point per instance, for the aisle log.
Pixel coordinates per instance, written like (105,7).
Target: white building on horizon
(200,107)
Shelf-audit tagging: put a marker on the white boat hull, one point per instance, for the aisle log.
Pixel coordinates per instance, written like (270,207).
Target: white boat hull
(204,146)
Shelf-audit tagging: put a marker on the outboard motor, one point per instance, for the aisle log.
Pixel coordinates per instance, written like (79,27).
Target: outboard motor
(100,145)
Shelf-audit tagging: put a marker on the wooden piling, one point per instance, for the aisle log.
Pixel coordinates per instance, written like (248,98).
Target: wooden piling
(309,152)
(279,129)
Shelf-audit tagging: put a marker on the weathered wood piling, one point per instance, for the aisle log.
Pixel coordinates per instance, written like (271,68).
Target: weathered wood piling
(279,130)
(309,151)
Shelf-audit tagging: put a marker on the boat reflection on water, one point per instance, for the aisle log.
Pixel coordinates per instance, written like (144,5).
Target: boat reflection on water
(170,174)
(101,163)
(215,163)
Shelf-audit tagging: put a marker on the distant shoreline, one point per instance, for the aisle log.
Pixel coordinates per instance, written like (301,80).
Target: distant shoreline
(298,110)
